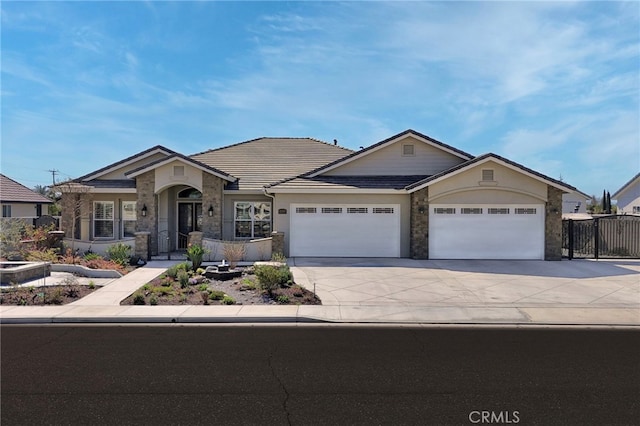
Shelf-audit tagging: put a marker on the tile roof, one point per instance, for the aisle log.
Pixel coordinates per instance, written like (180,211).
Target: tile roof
(14,192)
(92,175)
(347,182)
(263,161)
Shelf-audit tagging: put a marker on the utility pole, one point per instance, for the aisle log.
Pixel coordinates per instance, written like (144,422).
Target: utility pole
(53,175)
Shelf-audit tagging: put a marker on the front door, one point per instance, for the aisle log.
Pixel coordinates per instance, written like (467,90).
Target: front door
(189,220)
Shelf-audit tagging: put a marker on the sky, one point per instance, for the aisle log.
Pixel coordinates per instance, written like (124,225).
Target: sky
(553,86)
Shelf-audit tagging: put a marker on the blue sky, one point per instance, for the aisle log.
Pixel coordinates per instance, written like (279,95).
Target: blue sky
(553,86)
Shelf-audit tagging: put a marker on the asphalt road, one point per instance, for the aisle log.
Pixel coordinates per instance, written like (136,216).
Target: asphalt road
(273,375)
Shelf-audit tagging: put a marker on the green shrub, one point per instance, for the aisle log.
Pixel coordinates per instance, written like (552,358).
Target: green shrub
(273,277)
(138,299)
(228,300)
(153,300)
(278,257)
(172,272)
(216,295)
(119,253)
(203,287)
(195,254)
(92,256)
(183,278)
(200,271)
(92,285)
(45,255)
(282,299)
(163,290)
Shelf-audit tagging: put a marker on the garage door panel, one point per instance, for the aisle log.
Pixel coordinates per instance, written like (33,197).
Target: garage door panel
(487,236)
(354,231)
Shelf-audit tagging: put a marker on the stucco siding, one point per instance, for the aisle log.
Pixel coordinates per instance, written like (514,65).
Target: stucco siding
(281,221)
(508,186)
(426,160)
(630,197)
(25,210)
(165,176)
(118,173)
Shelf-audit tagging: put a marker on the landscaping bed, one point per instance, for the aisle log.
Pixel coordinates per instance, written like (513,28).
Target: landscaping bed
(183,286)
(67,292)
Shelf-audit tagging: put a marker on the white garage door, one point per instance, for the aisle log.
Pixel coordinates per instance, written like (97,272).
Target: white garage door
(486,231)
(345,230)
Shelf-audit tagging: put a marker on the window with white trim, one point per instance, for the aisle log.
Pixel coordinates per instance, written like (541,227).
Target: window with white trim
(525,210)
(103,219)
(6,210)
(444,210)
(498,210)
(471,210)
(129,218)
(252,219)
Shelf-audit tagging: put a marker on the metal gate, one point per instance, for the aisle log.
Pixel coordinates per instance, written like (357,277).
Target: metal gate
(601,237)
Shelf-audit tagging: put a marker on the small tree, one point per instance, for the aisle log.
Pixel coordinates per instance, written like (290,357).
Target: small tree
(608,203)
(76,201)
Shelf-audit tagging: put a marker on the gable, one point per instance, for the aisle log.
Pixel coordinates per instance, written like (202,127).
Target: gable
(119,172)
(507,185)
(405,156)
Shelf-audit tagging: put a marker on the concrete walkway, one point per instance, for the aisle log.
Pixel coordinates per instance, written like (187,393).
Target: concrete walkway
(392,291)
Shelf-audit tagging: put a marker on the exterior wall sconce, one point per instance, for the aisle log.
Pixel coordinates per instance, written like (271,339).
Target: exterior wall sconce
(210,211)
(144,210)
(421,210)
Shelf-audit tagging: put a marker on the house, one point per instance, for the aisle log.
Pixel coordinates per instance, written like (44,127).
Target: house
(628,197)
(575,202)
(406,196)
(20,202)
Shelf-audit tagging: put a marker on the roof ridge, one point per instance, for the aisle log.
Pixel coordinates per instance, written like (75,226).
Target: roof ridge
(269,137)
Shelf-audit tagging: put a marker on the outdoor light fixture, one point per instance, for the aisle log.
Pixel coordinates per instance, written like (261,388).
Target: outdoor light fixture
(144,210)
(210,211)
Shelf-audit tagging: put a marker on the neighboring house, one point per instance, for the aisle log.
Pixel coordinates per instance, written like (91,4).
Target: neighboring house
(628,197)
(406,196)
(20,202)
(575,202)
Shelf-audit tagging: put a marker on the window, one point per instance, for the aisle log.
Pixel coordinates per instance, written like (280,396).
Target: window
(103,219)
(252,219)
(444,210)
(498,210)
(382,210)
(487,175)
(128,219)
(190,193)
(636,210)
(332,210)
(526,210)
(6,210)
(357,210)
(408,150)
(305,209)
(471,210)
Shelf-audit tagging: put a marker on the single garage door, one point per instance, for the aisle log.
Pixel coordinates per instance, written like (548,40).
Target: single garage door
(344,230)
(486,231)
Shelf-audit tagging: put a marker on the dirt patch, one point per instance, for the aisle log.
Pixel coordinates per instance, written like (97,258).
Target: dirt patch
(41,296)
(200,290)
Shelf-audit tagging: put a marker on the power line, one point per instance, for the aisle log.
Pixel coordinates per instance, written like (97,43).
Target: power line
(53,175)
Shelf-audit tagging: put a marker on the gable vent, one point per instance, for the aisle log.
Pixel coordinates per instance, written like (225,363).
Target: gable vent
(408,150)
(178,170)
(487,175)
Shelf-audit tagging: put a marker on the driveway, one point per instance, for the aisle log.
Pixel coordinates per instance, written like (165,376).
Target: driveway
(411,283)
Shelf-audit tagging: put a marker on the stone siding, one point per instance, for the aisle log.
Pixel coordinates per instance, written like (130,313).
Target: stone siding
(145,187)
(420,224)
(142,245)
(553,225)
(277,243)
(212,187)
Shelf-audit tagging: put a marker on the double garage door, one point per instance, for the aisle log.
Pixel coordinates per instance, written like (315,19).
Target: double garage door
(486,231)
(345,230)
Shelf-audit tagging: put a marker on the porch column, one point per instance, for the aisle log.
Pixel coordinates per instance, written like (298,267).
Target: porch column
(212,204)
(147,215)
(277,243)
(419,224)
(142,245)
(553,224)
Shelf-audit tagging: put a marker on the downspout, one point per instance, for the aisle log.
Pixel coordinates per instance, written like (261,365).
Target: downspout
(273,206)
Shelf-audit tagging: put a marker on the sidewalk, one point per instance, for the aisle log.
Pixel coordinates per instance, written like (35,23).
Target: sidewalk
(103,306)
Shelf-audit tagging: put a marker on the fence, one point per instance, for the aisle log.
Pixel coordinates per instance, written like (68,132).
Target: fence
(601,237)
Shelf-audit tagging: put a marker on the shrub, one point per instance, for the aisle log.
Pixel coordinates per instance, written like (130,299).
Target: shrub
(153,300)
(92,256)
(45,255)
(282,299)
(138,299)
(119,253)
(233,253)
(195,253)
(92,285)
(273,277)
(216,295)
(172,272)
(200,271)
(183,278)
(228,300)
(203,287)
(163,290)
(278,257)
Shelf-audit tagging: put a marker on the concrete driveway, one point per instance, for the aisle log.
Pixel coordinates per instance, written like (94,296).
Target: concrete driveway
(412,283)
